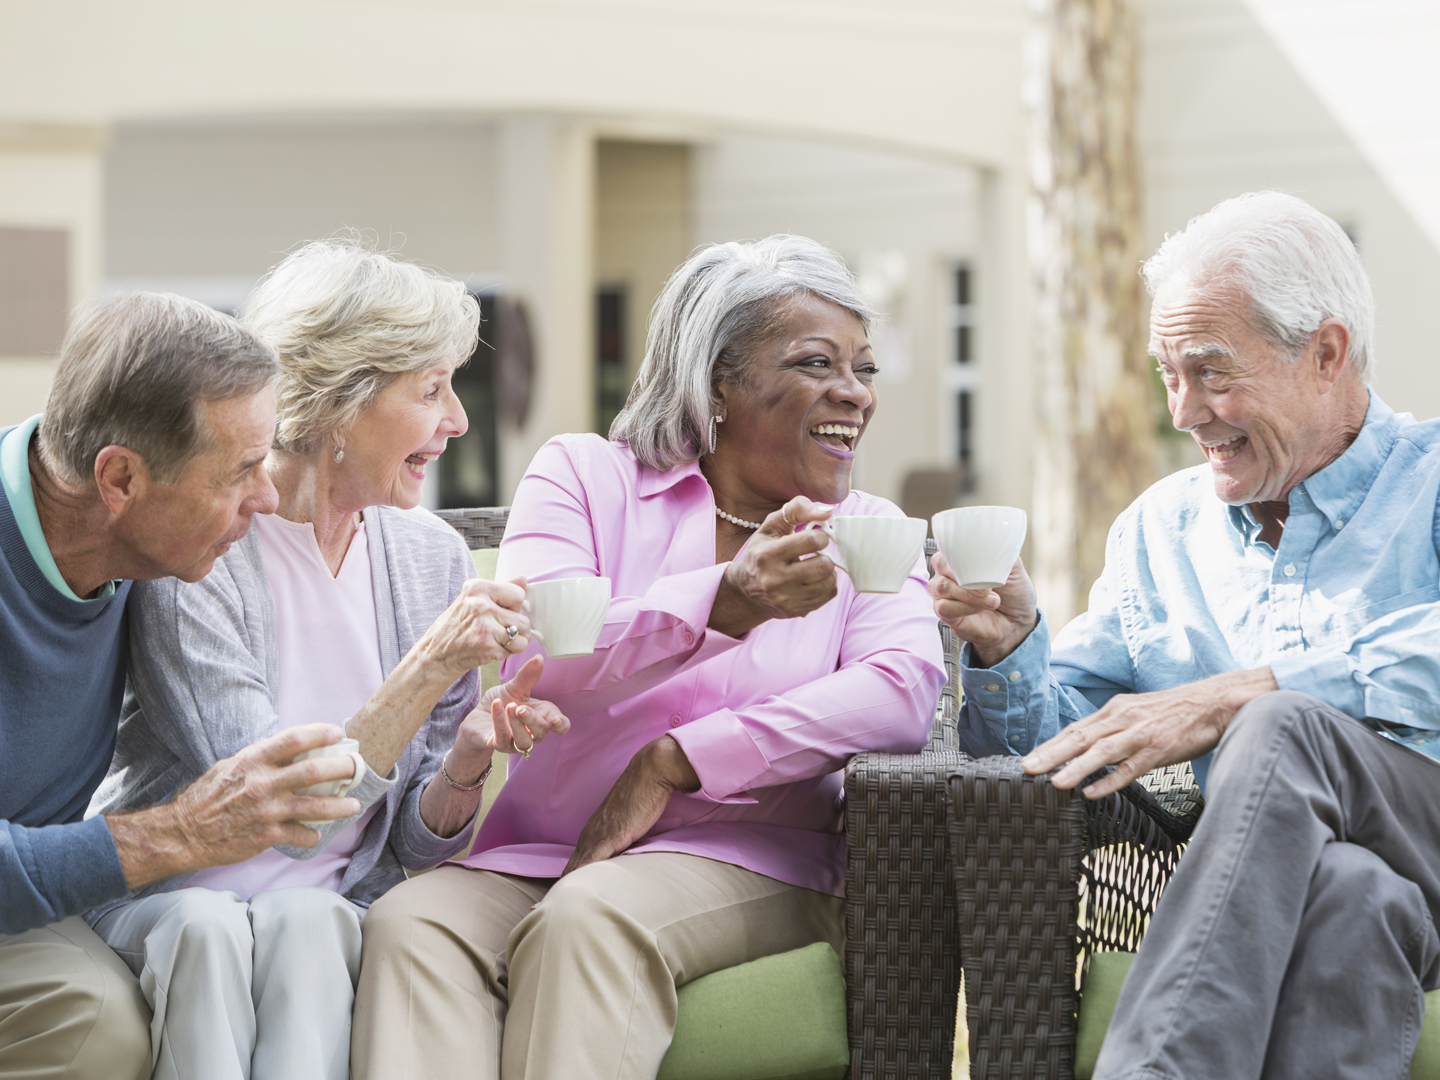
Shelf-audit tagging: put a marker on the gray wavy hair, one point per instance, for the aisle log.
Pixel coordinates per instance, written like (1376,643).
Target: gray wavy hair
(1295,265)
(347,321)
(712,314)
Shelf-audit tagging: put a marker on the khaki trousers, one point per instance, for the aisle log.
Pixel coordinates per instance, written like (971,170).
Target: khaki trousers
(467,973)
(69,1008)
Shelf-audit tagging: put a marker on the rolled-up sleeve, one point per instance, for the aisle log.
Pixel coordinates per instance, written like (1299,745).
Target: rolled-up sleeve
(881,697)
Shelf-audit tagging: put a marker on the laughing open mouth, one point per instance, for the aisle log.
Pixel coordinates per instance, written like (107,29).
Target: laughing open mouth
(1226,449)
(416,464)
(839,437)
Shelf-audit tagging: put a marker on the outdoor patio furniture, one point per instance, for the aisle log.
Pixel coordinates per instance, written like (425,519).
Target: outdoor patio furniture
(1044,880)
(901,967)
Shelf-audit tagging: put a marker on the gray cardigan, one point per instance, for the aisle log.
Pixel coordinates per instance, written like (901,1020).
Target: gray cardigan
(204,684)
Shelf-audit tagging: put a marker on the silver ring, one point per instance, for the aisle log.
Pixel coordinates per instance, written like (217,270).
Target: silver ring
(512,630)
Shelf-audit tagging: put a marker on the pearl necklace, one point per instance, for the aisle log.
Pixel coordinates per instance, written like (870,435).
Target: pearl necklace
(737,521)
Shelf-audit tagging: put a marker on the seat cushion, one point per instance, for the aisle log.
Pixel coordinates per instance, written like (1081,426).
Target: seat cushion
(781,1016)
(1102,990)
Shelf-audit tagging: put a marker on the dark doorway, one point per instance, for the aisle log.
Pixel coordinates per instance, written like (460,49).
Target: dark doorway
(469,472)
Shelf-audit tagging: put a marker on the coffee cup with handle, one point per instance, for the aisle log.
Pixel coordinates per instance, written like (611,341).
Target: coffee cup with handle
(981,543)
(877,552)
(333,788)
(567,614)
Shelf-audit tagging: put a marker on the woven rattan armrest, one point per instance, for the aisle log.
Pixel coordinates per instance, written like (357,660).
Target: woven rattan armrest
(1043,878)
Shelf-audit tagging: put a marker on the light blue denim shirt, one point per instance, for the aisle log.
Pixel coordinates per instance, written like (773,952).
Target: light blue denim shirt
(1345,609)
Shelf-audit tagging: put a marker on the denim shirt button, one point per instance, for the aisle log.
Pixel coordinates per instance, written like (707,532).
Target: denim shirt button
(992,687)
(1289,570)
(1014,676)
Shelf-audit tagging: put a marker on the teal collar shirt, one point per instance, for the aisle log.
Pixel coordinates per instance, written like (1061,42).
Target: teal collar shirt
(1346,609)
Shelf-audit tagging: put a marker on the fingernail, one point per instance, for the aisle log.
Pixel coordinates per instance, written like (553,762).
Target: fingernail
(1089,792)
(1031,762)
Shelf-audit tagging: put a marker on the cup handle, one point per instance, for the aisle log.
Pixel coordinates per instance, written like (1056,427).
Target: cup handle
(829,530)
(534,630)
(354,782)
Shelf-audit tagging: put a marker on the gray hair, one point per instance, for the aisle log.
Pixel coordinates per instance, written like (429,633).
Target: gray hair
(347,321)
(714,312)
(1294,264)
(132,372)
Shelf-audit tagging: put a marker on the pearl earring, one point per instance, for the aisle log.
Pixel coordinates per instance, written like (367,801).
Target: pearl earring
(339,456)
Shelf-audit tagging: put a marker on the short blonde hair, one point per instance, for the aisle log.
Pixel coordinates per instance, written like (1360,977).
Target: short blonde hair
(347,321)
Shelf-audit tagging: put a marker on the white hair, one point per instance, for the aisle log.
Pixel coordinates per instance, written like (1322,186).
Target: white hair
(1294,264)
(347,321)
(714,311)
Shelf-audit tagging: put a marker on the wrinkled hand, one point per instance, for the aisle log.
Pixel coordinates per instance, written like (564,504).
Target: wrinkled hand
(238,808)
(508,719)
(772,578)
(472,630)
(1140,732)
(994,621)
(635,803)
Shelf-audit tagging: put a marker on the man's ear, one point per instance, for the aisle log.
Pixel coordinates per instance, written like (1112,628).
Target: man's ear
(121,476)
(1331,353)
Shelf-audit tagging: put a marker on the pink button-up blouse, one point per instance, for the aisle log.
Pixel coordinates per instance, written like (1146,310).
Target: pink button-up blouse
(767,721)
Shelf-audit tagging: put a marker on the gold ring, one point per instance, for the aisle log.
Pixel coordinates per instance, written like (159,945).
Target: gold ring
(785,517)
(526,752)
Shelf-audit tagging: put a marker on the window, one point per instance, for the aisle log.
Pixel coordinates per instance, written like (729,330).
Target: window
(961,377)
(611,384)
(468,469)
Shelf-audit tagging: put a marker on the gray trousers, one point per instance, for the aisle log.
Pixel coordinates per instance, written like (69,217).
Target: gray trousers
(243,991)
(1297,936)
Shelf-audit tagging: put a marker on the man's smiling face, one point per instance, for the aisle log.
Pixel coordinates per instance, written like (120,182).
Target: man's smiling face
(1265,422)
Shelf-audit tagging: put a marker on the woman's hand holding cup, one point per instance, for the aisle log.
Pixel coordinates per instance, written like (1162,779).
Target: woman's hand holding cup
(780,573)
(484,623)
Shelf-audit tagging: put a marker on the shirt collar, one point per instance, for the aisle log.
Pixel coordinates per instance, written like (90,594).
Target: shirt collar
(1338,489)
(15,475)
(652,482)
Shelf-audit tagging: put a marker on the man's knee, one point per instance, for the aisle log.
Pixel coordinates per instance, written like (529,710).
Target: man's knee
(582,906)
(72,1009)
(1352,886)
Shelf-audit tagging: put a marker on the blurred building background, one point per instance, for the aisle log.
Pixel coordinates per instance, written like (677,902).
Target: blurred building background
(563,156)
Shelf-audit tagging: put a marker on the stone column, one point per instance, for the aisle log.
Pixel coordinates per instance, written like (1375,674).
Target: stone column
(546,221)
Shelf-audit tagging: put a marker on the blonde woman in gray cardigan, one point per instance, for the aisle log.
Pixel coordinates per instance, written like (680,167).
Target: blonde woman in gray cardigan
(348,605)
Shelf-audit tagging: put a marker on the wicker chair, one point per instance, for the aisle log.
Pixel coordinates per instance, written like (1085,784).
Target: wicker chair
(1045,878)
(902,971)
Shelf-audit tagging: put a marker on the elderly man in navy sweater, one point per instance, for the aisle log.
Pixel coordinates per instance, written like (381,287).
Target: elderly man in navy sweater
(148,462)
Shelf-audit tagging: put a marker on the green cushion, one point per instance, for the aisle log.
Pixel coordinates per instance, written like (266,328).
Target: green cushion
(1097,1004)
(1102,990)
(780,1016)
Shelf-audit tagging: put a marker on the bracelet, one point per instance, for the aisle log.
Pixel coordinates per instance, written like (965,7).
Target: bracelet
(462,787)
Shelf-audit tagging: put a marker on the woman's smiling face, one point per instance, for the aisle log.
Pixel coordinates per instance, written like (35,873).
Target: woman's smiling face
(405,428)
(793,421)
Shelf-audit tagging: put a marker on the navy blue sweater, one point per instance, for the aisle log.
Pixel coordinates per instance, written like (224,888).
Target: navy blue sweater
(62,674)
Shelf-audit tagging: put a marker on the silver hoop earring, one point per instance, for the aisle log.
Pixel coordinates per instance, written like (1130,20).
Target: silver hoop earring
(339,456)
(714,432)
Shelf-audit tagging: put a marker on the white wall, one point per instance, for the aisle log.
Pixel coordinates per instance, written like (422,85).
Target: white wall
(1223,112)
(230,198)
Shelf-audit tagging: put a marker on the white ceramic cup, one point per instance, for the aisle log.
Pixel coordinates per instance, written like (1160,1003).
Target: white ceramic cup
(877,552)
(981,543)
(566,615)
(332,788)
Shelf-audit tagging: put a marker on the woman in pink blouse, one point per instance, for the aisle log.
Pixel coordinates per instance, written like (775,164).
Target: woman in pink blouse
(691,820)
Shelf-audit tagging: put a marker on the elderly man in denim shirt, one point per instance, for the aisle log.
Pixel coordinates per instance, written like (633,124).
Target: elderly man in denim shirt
(1273,617)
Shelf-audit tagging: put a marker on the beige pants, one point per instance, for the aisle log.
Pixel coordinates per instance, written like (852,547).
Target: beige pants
(69,1008)
(475,974)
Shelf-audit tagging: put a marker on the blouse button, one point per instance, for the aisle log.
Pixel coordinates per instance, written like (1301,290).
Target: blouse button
(675,721)
(689,636)
(1289,570)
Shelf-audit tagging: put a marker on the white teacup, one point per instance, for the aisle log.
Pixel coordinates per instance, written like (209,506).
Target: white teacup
(331,788)
(566,615)
(877,552)
(981,543)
